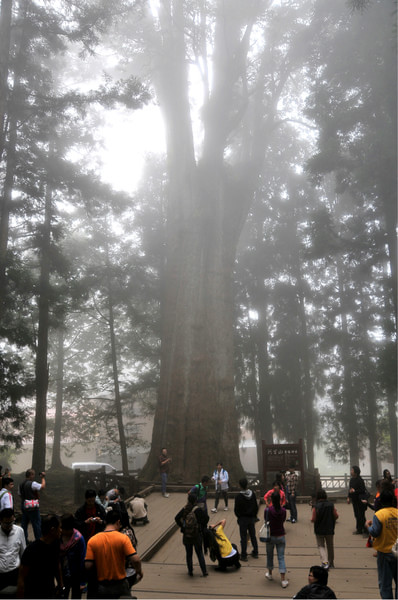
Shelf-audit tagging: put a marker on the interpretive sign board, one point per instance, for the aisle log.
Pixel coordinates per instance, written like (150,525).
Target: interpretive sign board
(279,457)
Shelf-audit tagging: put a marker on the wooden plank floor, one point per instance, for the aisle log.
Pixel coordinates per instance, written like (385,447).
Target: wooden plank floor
(165,575)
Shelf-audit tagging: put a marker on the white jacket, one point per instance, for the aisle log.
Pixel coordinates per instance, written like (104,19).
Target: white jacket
(221,479)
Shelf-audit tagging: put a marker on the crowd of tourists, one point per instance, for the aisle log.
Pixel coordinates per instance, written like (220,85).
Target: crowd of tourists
(281,501)
(93,551)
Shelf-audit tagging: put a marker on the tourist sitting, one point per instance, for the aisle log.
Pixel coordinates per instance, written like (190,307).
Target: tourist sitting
(139,510)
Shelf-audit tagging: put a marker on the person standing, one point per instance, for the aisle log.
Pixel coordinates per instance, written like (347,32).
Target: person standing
(12,546)
(221,478)
(164,466)
(29,491)
(90,517)
(291,491)
(40,565)
(276,515)
(200,492)
(192,521)
(275,488)
(384,530)
(6,499)
(109,551)
(358,497)
(72,555)
(324,517)
(246,509)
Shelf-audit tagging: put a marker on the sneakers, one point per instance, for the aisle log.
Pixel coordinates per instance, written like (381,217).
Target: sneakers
(226,508)
(325,565)
(284,583)
(268,576)
(214,510)
(293,521)
(165,495)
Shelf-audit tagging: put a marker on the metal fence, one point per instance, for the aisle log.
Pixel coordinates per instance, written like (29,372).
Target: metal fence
(341,482)
(99,480)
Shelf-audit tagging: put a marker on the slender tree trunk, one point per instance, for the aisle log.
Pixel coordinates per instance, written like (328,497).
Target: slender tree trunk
(8,106)
(56,462)
(116,387)
(40,428)
(5,41)
(260,336)
(392,419)
(6,197)
(350,425)
(303,348)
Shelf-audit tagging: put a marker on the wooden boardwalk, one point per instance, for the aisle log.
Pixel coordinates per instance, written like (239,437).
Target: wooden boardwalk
(165,573)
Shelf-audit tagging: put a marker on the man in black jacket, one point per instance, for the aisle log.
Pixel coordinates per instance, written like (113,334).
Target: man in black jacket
(90,517)
(317,585)
(246,509)
(358,496)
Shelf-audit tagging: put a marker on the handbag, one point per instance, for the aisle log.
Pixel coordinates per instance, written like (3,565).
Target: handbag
(264,533)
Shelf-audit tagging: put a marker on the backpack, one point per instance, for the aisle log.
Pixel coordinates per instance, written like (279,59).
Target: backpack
(190,525)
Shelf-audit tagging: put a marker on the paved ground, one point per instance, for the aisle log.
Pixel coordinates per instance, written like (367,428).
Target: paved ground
(165,574)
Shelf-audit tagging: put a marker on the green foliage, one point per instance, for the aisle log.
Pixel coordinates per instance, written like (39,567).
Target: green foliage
(14,387)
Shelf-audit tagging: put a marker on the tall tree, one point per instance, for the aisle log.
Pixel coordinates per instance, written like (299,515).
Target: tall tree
(211,184)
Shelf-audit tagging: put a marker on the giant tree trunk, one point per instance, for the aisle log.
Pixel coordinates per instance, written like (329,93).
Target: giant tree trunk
(207,204)
(196,416)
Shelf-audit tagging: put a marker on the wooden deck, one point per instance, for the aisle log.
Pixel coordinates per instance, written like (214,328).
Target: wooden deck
(165,573)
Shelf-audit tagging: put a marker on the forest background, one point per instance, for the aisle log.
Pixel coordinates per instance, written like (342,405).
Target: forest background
(250,278)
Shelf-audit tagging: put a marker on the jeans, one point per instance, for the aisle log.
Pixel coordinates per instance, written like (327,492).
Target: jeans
(293,509)
(199,553)
(224,494)
(246,524)
(279,543)
(34,517)
(164,482)
(387,571)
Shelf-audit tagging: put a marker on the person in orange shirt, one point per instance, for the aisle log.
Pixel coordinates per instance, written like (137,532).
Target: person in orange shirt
(275,488)
(109,551)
